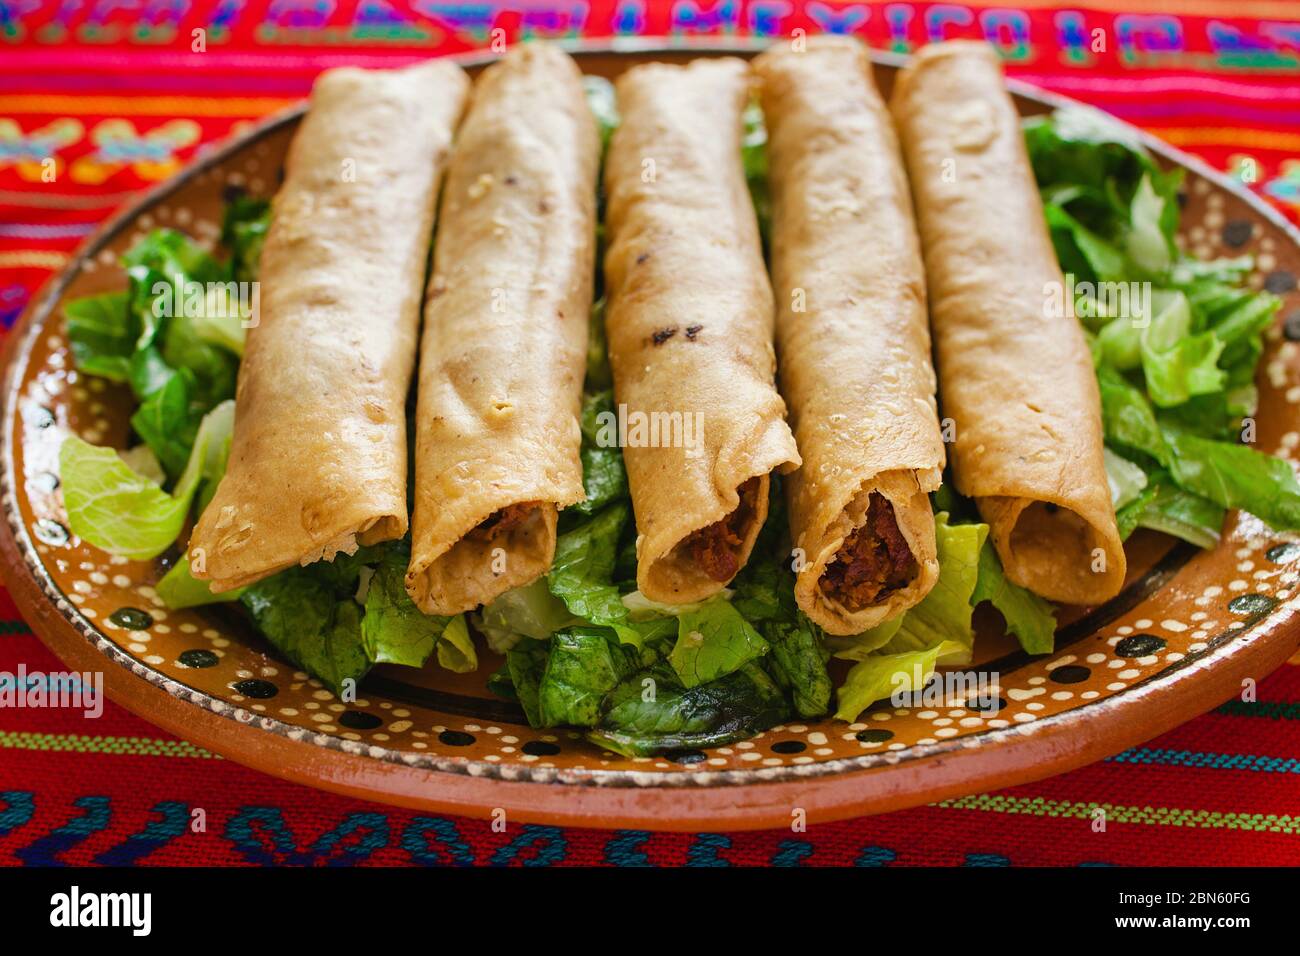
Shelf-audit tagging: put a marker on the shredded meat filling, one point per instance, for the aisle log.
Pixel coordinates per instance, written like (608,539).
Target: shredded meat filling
(503,521)
(873,560)
(716,547)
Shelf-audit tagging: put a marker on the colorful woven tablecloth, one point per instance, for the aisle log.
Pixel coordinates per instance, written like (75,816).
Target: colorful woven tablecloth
(102,98)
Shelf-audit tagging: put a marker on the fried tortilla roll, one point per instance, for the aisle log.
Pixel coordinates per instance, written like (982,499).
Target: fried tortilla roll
(690,328)
(1015,378)
(318,459)
(852,339)
(505,336)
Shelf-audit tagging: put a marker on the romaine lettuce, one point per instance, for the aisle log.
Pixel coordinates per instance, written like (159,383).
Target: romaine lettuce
(125,513)
(713,640)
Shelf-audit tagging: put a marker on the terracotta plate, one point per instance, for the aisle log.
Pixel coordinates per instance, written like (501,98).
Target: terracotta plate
(1185,633)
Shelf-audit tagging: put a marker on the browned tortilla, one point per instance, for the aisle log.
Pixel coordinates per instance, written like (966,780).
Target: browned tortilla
(318,459)
(505,335)
(1016,378)
(690,327)
(853,341)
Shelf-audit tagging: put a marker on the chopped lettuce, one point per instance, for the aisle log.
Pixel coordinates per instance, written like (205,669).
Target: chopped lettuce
(1175,363)
(394,630)
(102,335)
(583,665)
(713,640)
(1163,506)
(1030,618)
(527,611)
(243,232)
(125,513)
(881,675)
(456,650)
(179,588)
(798,664)
(525,665)
(162,338)
(581,573)
(1236,476)
(336,619)
(313,622)
(1126,479)
(652,712)
(603,475)
(1177,379)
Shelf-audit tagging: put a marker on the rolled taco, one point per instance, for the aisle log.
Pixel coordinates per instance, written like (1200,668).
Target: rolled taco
(505,335)
(853,341)
(689,325)
(318,459)
(1015,377)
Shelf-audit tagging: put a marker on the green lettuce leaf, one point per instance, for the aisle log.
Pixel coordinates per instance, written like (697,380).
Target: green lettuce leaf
(456,650)
(526,663)
(1030,618)
(1177,364)
(652,712)
(880,675)
(603,475)
(124,513)
(393,629)
(243,232)
(581,573)
(1165,507)
(102,334)
(527,611)
(1127,417)
(583,666)
(302,614)
(798,665)
(180,589)
(1126,479)
(168,419)
(713,640)
(1236,476)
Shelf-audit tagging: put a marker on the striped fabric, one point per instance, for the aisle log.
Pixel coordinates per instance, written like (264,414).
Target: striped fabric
(98,101)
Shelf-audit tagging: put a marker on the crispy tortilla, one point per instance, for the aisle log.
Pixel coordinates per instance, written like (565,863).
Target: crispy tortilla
(690,327)
(1015,376)
(853,341)
(318,459)
(505,336)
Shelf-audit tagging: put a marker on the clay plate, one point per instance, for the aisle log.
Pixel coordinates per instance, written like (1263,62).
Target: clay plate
(1189,627)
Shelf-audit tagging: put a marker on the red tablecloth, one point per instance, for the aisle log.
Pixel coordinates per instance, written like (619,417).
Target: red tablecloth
(120,94)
